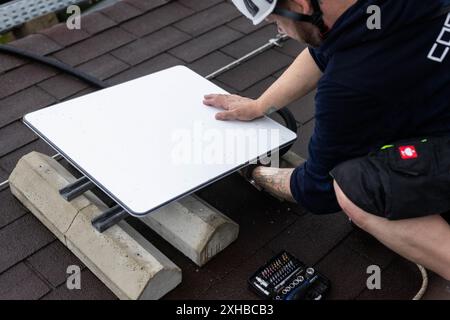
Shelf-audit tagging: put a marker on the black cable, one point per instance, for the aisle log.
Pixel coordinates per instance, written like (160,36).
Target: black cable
(56,64)
(288,118)
(285,113)
(291,124)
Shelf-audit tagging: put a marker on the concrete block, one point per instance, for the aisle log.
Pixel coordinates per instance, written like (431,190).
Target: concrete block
(132,270)
(128,264)
(195,228)
(291,160)
(36,181)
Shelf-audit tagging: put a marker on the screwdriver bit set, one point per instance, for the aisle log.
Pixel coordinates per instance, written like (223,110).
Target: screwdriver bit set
(284,277)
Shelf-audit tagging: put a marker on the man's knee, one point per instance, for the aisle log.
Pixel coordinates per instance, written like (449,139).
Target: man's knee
(356,214)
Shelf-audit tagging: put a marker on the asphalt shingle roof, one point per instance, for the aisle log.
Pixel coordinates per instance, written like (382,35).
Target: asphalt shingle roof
(134,38)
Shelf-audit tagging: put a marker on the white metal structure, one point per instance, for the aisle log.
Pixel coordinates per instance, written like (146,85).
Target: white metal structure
(15,13)
(151,141)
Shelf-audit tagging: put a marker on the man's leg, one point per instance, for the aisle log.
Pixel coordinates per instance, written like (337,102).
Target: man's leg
(275,181)
(425,241)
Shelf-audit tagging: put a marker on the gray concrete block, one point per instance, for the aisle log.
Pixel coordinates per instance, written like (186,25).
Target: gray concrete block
(195,228)
(291,160)
(130,266)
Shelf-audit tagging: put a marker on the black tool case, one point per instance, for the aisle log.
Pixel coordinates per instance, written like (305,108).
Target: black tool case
(285,277)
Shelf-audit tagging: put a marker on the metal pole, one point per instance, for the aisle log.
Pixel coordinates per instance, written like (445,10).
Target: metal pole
(76,189)
(277,41)
(4,185)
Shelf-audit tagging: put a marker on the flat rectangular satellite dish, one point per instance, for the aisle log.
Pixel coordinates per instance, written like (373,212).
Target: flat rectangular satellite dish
(151,141)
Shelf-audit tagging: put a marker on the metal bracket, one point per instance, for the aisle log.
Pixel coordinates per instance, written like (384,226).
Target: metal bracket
(76,189)
(104,221)
(109,218)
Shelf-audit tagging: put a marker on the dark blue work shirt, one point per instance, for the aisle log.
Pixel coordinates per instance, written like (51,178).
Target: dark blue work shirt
(378,86)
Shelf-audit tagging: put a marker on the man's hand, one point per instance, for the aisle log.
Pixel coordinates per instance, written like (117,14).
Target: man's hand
(236,107)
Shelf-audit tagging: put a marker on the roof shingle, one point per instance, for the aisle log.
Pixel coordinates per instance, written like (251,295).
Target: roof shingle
(10,209)
(208,19)
(94,46)
(255,70)
(150,46)
(60,34)
(247,44)
(156,19)
(21,283)
(38,44)
(9,161)
(62,86)
(104,66)
(91,289)
(52,261)
(13,107)
(146,5)
(211,63)
(96,22)
(199,5)
(13,137)
(205,44)
(122,11)
(162,61)
(20,239)
(23,77)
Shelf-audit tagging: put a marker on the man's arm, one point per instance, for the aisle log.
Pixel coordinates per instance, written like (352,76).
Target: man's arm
(296,82)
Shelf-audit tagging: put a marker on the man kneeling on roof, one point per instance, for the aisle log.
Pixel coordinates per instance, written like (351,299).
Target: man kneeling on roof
(381,145)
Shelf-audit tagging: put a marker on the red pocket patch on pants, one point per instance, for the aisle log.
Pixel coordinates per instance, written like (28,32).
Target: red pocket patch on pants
(408,152)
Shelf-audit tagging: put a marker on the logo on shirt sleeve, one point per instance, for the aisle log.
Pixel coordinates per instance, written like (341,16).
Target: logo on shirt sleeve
(441,48)
(408,152)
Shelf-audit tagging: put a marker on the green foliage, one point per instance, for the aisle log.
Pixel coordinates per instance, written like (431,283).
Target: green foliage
(5,38)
